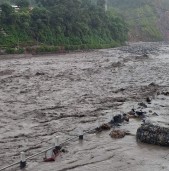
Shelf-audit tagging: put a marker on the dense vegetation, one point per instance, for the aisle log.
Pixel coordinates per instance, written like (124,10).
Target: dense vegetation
(59,24)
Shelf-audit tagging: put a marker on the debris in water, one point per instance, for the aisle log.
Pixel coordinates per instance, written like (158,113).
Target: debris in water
(136,114)
(119,119)
(148,100)
(117,134)
(105,126)
(142,105)
(39,73)
(153,84)
(165,93)
(140,114)
(155,114)
(51,155)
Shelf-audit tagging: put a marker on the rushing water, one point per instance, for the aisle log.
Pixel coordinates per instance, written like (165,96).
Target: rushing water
(41,97)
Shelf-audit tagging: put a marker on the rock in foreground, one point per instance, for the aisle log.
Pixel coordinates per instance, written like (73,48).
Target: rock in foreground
(152,134)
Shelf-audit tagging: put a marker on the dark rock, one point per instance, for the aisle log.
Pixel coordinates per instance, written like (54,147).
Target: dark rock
(153,84)
(64,151)
(22,91)
(140,114)
(39,73)
(121,89)
(136,114)
(148,100)
(155,114)
(153,134)
(119,119)
(120,99)
(165,93)
(142,104)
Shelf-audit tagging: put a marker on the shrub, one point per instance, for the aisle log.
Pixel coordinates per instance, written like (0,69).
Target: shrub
(47,49)
(10,50)
(20,51)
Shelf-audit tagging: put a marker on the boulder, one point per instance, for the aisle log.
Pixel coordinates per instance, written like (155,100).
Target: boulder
(152,134)
(117,134)
(119,118)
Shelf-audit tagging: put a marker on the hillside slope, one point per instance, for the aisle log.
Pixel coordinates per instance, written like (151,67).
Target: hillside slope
(57,25)
(148,20)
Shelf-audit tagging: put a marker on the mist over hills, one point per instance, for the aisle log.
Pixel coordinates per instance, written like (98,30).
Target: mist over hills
(148,20)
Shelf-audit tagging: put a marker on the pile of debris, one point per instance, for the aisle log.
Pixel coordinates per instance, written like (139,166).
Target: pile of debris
(115,121)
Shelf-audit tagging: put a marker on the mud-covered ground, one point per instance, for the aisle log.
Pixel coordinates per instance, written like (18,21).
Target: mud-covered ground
(53,95)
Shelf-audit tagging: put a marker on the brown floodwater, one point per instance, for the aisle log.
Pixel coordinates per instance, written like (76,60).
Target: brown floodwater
(53,95)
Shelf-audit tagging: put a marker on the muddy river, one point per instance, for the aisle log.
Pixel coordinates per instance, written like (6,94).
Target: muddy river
(54,95)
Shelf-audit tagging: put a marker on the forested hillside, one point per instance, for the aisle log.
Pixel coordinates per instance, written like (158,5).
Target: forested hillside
(59,25)
(148,20)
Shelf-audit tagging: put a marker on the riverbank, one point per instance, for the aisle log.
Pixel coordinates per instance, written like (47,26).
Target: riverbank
(49,49)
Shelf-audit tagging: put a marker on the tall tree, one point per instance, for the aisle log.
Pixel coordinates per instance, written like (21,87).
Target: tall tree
(22,3)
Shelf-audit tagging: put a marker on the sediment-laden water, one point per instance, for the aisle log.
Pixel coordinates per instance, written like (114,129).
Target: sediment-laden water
(49,95)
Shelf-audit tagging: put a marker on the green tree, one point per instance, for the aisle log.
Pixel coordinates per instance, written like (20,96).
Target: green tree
(67,23)
(6,14)
(22,3)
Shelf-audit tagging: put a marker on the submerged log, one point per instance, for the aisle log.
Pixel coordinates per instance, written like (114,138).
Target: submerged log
(153,134)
